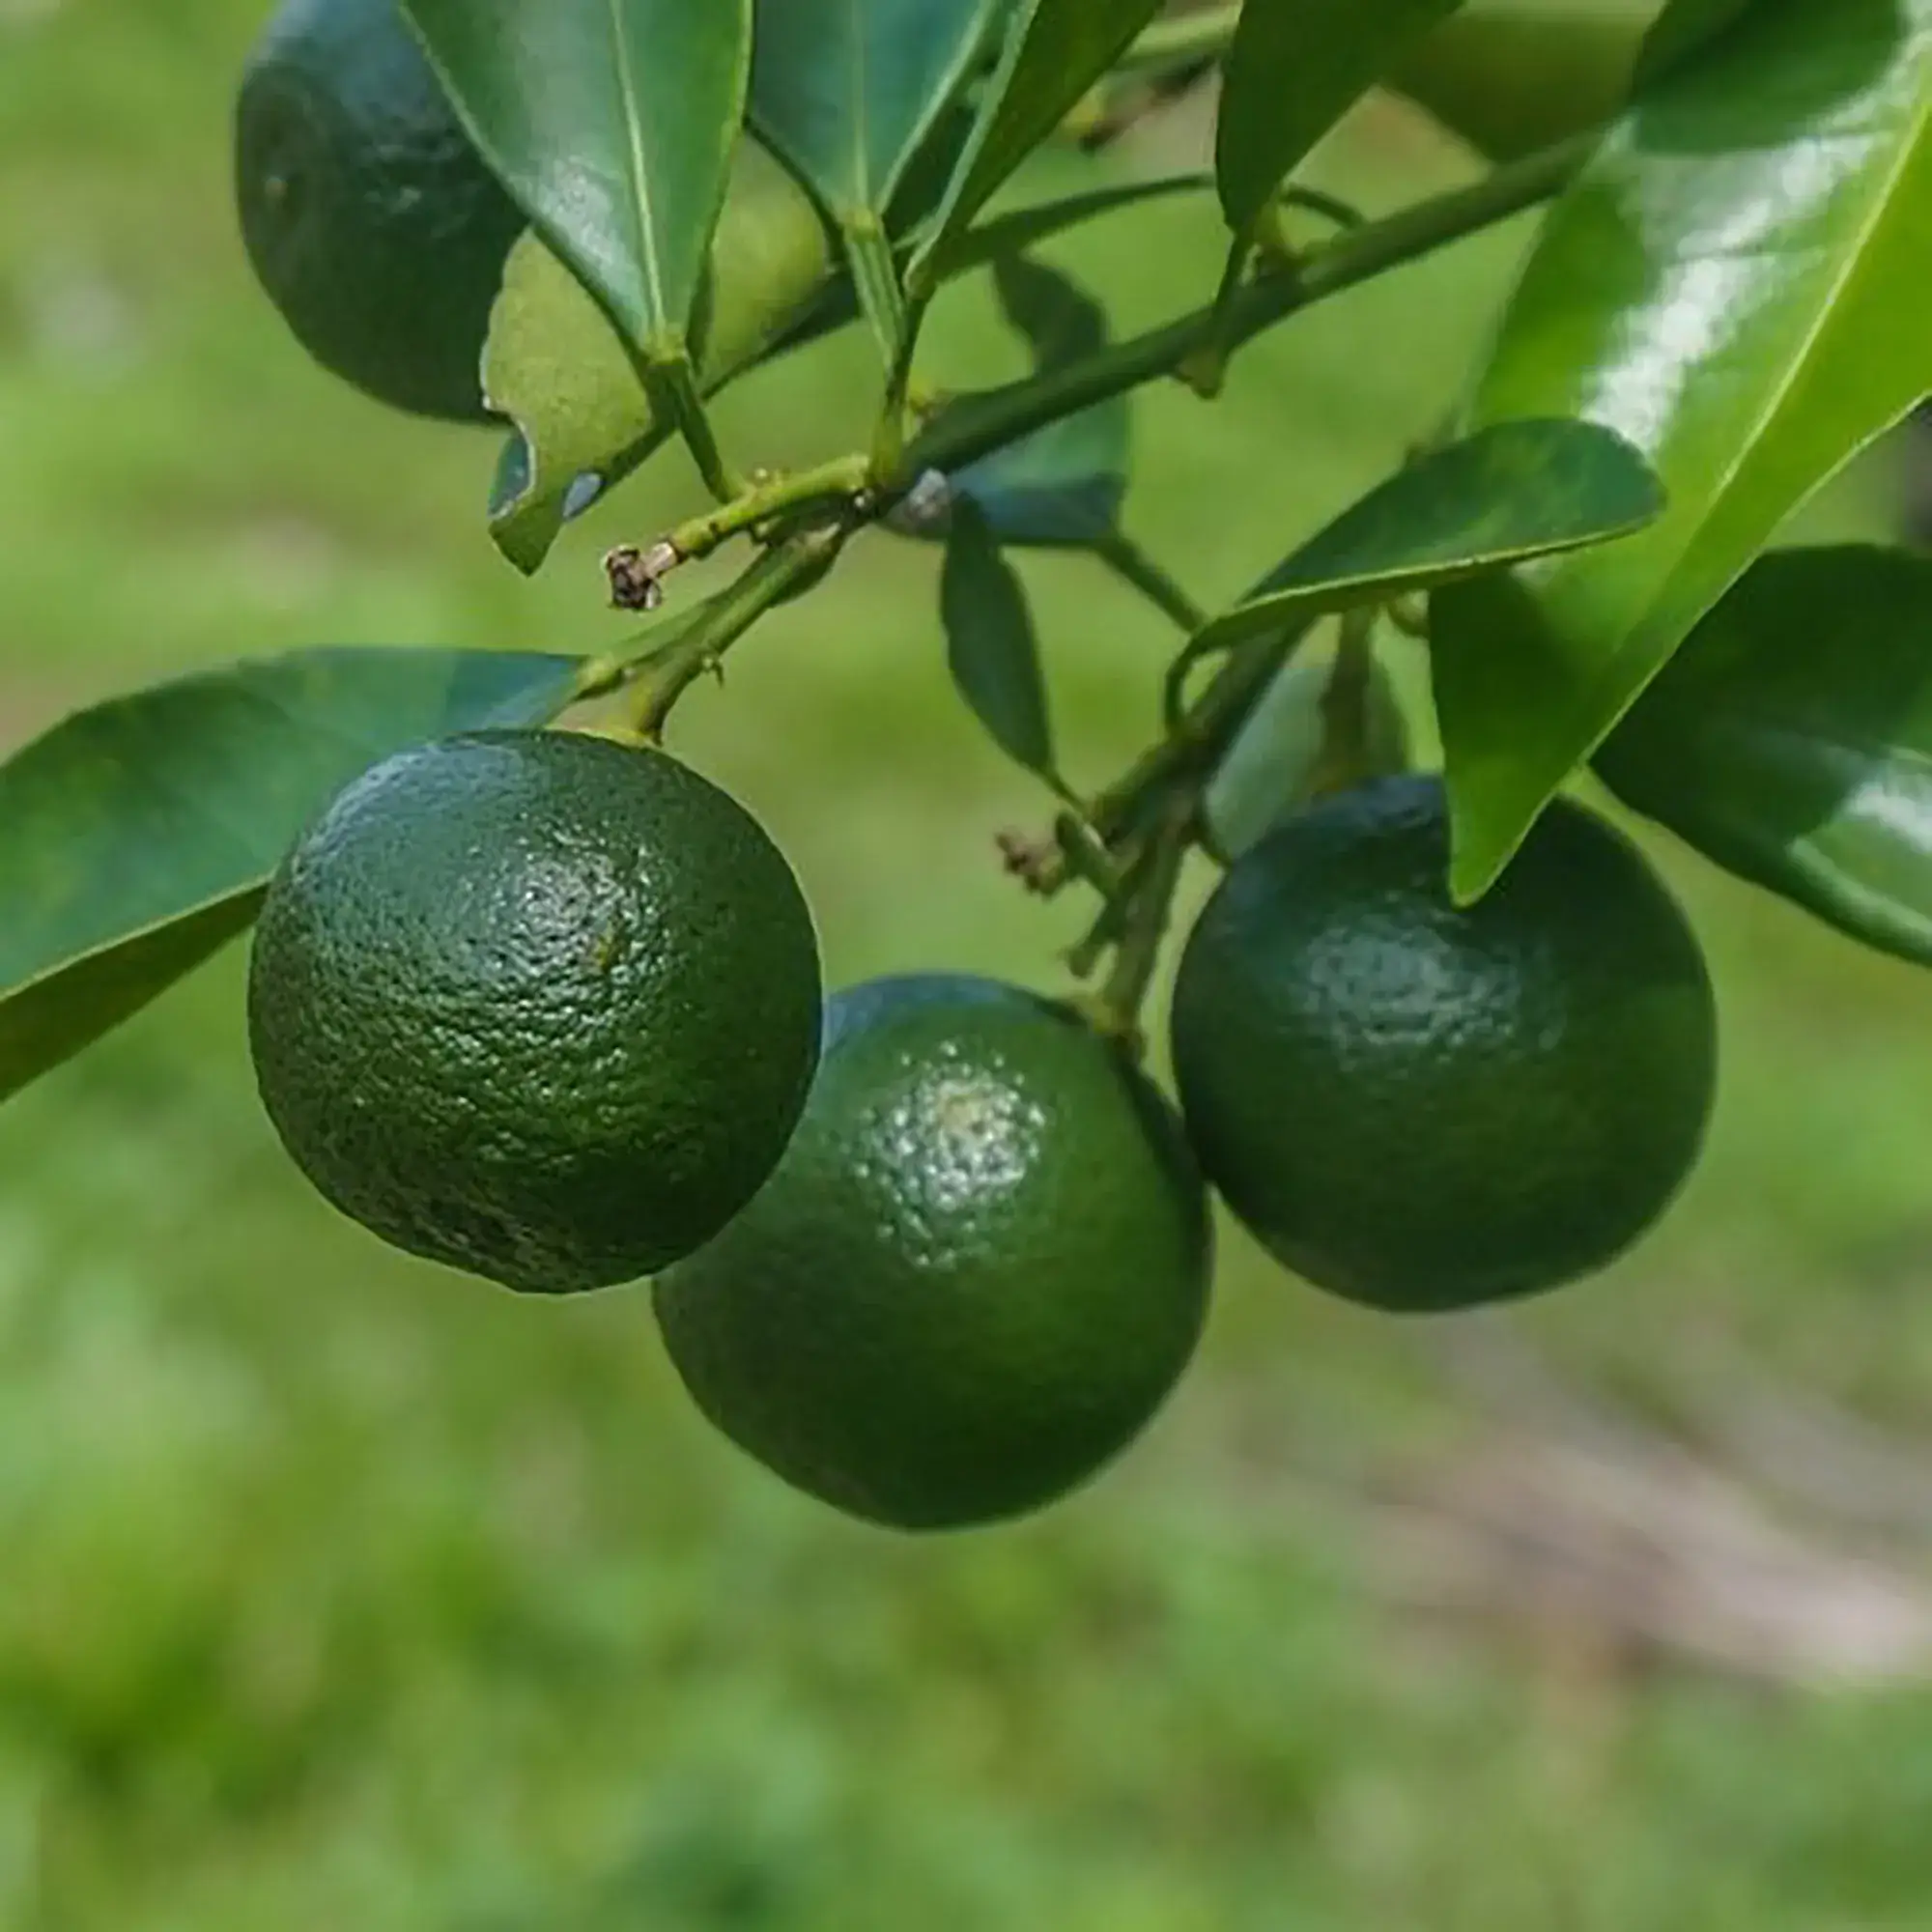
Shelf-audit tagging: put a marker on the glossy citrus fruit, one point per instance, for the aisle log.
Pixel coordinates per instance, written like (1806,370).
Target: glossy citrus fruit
(1424,1107)
(980,1267)
(369,216)
(536,1004)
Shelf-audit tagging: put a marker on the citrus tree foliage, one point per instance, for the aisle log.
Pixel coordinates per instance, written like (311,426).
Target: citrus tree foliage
(1719,312)
(1719,308)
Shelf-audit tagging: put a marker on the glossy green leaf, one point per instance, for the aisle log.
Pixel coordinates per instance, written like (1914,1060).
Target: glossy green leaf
(137,837)
(1737,286)
(1791,739)
(557,369)
(849,90)
(991,645)
(1511,77)
(1066,483)
(612,124)
(1282,755)
(1510,493)
(1296,67)
(1682,28)
(1055,50)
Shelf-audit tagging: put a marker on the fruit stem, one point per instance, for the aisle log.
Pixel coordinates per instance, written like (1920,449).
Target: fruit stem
(978,425)
(700,647)
(1345,760)
(1198,737)
(1136,569)
(1182,762)
(1148,912)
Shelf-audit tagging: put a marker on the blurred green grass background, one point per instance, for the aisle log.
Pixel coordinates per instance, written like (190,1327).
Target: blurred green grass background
(337,1591)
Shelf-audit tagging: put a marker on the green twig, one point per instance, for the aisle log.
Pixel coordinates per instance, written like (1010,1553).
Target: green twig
(701,648)
(1345,756)
(636,573)
(1144,923)
(978,425)
(1136,569)
(673,387)
(824,487)
(1182,762)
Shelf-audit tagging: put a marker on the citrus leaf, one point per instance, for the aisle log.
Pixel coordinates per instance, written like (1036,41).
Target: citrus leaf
(611,123)
(560,370)
(1280,757)
(847,91)
(1055,50)
(1513,491)
(1791,740)
(1065,484)
(991,644)
(585,420)
(1296,67)
(1511,77)
(1734,284)
(1682,29)
(137,837)
(1020,228)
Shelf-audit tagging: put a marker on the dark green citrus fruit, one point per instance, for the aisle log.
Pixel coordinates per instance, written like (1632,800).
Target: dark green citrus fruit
(979,1268)
(1423,1107)
(370,218)
(537,1006)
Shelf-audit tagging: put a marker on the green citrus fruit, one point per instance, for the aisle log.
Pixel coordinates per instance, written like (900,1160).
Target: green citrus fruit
(1424,1107)
(979,1268)
(370,218)
(537,1006)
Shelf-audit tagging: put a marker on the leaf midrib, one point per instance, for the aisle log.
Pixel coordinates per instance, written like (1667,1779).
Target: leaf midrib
(1826,320)
(642,206)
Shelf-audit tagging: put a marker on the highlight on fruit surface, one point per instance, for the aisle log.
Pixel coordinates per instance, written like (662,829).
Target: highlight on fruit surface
(535,1004)
(978,1270)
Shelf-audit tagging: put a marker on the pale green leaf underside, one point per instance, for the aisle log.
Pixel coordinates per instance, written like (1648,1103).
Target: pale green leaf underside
(585,414)
(612,123)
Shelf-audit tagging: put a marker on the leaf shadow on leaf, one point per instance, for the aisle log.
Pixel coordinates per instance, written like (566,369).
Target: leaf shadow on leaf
(1677,114)
(1790,739)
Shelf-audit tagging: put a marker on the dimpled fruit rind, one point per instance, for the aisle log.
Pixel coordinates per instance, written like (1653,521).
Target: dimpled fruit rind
(980,1267)
(1422,1107)
(536,1004)
(370,218)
